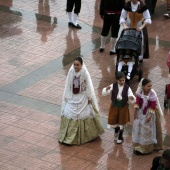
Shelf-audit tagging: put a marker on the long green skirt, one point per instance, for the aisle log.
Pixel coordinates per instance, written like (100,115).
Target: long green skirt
(79,131)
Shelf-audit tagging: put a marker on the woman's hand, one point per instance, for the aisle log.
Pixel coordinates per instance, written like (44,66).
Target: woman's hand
(139,28)
(125,27)
(135,114)
(89,101)
(148,118)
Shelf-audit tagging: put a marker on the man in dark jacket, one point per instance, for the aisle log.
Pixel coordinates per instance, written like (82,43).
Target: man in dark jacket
(110,11)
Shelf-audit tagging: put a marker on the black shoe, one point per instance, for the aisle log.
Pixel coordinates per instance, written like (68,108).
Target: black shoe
(119,140)
(167,15)
(137,152)
(76,26)
(120,137)
(70,24)
(112,53)
(141,61)
(101,50)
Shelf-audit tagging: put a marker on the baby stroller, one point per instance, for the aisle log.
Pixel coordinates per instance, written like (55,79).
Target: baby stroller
(167,95)
(129,45)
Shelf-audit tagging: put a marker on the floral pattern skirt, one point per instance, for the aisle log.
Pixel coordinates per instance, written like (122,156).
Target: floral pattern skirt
(145,140)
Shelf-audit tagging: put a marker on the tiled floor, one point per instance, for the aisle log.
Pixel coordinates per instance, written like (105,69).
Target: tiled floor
(37,48)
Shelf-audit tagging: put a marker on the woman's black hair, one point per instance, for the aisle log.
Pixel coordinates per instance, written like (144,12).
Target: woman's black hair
(145,81)
(79,59)
(120,75)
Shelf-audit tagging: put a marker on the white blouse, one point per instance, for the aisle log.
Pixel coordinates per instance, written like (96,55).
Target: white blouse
(146,14)
(119,95)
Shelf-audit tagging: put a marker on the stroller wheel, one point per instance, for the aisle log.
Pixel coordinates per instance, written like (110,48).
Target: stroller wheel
(140,73)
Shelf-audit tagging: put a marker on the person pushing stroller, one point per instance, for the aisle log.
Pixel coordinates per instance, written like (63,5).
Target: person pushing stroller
(136,15)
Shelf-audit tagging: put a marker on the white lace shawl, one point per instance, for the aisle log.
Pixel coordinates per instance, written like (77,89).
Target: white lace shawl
(139,90)
(86,85)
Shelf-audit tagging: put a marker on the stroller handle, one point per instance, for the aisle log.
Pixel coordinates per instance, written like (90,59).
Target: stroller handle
(130,29)
(129,39)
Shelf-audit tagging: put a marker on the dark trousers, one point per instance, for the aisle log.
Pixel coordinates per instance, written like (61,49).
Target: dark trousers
(151,5)
(111,21)
(74,3)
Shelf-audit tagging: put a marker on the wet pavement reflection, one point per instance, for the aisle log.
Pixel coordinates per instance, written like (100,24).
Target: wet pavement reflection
(37,49)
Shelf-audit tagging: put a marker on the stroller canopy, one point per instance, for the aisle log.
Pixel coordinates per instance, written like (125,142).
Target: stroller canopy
(129,39)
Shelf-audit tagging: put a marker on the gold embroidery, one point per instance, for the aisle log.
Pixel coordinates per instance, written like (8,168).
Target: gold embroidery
(134,19)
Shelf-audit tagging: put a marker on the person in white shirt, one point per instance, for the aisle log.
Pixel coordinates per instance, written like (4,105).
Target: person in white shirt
(119,115)
(136,15)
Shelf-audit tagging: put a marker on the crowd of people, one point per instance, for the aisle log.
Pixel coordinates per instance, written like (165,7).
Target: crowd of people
(80,120)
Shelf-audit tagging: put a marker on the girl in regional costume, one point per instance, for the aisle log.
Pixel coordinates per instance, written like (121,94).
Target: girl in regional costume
(119,108)
(79,116)
(147,131)
(136,15)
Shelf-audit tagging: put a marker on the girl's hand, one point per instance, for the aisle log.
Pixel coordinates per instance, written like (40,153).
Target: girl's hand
(148,118)
(108,87)
(139,28)
(135,115)
(131,98)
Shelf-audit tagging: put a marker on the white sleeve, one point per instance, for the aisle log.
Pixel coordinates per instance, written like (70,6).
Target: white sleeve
(130,93)
(107,92)
(123,16)
(147,17)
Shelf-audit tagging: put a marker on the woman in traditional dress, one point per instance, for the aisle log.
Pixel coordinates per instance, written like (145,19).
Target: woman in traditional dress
(136,15)
(79,116)
(147,131)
